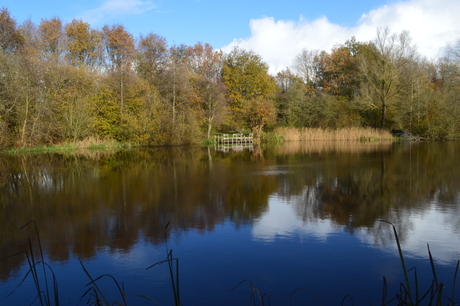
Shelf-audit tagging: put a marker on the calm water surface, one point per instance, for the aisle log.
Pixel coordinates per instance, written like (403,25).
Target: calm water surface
(302,215)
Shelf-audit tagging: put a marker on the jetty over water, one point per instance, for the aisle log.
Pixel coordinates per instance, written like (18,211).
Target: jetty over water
(229,139)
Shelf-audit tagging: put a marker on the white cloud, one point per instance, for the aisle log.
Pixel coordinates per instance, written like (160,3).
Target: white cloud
(116,8)
(432,25)
(281,221)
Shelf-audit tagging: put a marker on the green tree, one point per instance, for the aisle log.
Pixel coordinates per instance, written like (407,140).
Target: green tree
(290,98)
(248,82)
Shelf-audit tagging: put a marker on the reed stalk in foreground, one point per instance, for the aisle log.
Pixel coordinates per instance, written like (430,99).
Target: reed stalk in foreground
(97,294)
(432,296)
(46,295)
(173,266)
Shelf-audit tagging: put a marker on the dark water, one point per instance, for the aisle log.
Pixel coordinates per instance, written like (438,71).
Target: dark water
(298,216)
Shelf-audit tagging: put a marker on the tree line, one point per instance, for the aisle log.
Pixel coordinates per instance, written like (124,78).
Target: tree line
(64,82)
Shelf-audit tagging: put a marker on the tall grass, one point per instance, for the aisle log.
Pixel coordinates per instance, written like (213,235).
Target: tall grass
(96,294)
(345,134)
(433,296)
(173,266)
(46,289)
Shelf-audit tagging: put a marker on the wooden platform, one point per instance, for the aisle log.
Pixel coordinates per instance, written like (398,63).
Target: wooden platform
(233,138)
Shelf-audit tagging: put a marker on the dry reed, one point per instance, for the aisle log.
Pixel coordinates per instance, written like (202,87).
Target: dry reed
(313,147)
(345,134)
(92,141)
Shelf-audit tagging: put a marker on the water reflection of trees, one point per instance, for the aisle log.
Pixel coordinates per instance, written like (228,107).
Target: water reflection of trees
(83,203)
(355,189)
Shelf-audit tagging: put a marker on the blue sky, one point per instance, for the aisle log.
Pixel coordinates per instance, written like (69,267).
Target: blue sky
(277,30)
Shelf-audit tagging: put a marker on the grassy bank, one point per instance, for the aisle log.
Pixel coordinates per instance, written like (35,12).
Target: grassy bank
(88,144)
(317,134)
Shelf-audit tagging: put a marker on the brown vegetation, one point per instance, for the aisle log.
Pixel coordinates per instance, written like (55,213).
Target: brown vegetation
(319,134)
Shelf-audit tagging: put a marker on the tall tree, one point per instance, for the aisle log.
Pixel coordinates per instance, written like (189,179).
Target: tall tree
(84,45)
(381,65)
(52,36)
(208,99)
(11,42)
(152,56)
(290,98)
(30,110)
(249,86)
(120,52)
(307,65)
(340,71)
(11,38)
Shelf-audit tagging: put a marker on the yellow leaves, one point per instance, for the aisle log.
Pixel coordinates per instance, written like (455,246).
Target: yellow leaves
(51,33)
(249,83)
(119,45)
(83,43)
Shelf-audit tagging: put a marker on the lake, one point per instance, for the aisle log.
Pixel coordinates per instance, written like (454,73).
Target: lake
(297,223)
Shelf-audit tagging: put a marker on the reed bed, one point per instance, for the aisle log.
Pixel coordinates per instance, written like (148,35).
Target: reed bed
(318,147)
(345,134)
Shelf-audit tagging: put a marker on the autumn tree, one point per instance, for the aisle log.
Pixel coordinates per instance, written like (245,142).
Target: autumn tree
(123,84)
(28,90)
(83,44)
(11,38)
(381,65)
(249,85)
(11,42)
(208,98)
(151,58)
(52,38)
(175,85)
(340,74)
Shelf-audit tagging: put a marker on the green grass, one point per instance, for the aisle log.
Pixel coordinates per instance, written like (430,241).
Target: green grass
(70,148)
(271,138)
(43,149)
(208,143)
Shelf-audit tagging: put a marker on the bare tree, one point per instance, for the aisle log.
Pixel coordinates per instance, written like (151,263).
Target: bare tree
(381,66)
(307,66)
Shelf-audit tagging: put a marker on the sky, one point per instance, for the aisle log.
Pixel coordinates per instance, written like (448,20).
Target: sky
(276,30)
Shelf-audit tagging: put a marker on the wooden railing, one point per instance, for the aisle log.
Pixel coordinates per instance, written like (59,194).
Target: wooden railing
(222,139)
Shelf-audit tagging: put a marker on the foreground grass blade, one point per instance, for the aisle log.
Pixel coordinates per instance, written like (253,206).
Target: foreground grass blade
(254,291)
(433,269)
(173,271)
(452,301)
(401,257)
(95,285)
(148,298)
(301,289)
(43,295)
